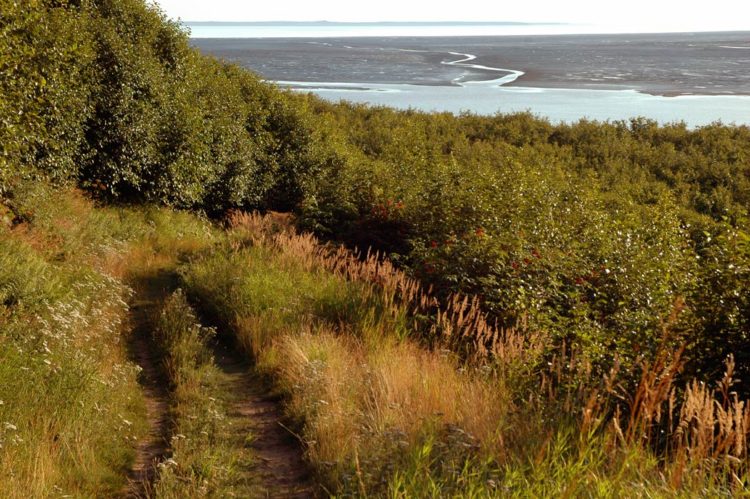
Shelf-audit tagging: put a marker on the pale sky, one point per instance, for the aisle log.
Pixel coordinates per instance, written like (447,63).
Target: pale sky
(640,15)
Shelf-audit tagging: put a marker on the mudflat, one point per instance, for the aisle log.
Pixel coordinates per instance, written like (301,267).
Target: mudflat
(659,64)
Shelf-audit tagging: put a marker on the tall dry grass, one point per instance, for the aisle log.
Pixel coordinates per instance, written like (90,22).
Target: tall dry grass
(457,323)
(384,399)
(358,401)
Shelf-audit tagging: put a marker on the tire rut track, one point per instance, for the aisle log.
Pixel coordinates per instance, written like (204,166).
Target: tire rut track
(254,412)
(153,447)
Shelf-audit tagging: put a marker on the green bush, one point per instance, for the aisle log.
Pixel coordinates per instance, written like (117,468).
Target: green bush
(45,89)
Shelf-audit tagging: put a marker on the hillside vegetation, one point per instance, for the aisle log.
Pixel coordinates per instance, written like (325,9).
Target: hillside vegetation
(542,300)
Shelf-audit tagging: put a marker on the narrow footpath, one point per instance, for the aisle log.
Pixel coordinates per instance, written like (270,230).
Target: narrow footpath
(153,448)
(256,419)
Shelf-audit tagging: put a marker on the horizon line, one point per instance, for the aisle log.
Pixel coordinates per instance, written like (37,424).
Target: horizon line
(381,23)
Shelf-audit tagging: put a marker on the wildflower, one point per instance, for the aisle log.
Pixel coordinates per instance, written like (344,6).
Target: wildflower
(480,232)
(433,244)
(9,426)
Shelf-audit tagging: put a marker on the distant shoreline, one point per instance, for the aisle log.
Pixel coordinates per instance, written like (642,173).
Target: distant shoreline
(338,29)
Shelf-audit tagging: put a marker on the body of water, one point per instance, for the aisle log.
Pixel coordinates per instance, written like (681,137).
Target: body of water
(562,78)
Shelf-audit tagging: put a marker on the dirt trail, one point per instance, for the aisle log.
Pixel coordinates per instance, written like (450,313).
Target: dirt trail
(153,447)
(255,415)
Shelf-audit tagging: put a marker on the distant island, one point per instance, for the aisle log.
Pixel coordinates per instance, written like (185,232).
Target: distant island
(369,23)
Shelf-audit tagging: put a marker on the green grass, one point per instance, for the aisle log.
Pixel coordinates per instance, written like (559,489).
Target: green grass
(250,290)
(72,409)
(71,406)
(205,455)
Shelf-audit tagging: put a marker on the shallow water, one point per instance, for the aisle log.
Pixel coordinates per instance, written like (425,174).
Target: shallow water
(558,105)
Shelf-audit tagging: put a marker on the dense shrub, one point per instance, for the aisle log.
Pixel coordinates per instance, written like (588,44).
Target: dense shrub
(605,234)
(44,88)
(110,94)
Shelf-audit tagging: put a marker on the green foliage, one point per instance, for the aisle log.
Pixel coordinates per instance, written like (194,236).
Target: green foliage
(44,88)
(70,402)
(110,94)
(592,231)
(722,303)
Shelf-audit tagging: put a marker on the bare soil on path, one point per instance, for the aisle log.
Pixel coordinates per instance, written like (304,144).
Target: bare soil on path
(278,467)
(154,446)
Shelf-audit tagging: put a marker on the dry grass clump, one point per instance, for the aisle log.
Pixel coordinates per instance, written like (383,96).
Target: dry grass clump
(702,431)
(714,424)
(375,406)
